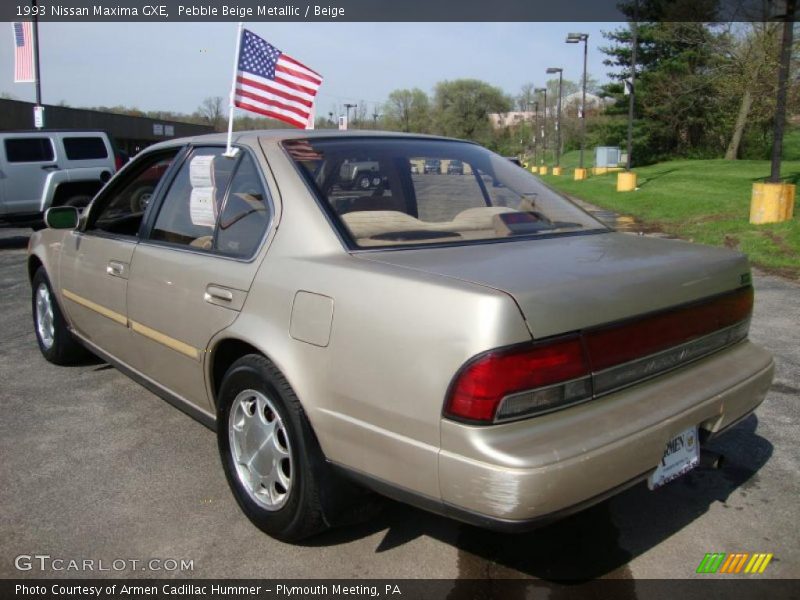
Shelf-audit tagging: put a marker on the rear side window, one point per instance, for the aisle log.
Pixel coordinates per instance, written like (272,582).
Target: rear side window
(217,204)
(20,150)
(85,148)
(246,213)
(190,209)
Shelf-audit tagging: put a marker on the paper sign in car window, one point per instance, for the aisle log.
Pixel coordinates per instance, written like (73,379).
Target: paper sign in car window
(202,204)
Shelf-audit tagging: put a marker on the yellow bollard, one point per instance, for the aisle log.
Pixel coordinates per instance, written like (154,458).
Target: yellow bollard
(542,170)
(556,170)
(534,169)
(789,190)
(626,181)
(772,202)
(580,174)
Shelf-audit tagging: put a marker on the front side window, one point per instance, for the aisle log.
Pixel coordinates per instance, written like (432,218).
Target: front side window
(85,148)
(121,208)
(38,149)
(430,192)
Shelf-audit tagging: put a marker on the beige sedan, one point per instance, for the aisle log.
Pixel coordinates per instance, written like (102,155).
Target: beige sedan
(472,343)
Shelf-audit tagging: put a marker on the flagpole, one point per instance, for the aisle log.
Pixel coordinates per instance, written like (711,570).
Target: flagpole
(229,151)
(36,55)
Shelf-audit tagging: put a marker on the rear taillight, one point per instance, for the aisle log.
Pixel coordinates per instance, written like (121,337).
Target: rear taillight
(118,162)
(616,344)
(510,383)
(520,381)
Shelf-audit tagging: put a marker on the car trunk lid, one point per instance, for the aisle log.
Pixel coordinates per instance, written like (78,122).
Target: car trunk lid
(569,283)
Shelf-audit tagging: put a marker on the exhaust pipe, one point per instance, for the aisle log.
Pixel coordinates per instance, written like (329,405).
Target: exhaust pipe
(710,459)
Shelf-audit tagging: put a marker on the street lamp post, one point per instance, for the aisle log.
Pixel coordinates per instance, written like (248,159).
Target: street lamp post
(544,123)
(528,107)
(575,38)
(632,84)
(558,112)
(535,128)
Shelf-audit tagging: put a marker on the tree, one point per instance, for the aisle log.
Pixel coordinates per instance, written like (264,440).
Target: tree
(751,64)
(212,112)
(462,107)
(526,97)
(677,99)
(407,110)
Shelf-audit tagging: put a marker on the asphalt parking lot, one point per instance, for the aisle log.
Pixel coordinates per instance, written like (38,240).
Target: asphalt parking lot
(95,467)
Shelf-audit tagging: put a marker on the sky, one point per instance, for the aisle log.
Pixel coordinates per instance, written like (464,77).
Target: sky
(174,66)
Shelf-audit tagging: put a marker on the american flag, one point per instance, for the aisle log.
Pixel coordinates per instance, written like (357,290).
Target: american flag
(23,52)
(302,150)
(273,84)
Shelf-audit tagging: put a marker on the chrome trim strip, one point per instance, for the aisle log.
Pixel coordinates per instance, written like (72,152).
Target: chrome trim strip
(93,306)
(675,357)
(141,329)
(728,336)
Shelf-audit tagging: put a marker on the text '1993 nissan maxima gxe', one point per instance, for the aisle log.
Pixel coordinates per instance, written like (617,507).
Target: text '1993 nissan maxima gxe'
(471,343)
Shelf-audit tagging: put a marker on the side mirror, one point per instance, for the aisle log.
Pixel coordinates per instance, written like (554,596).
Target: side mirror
(62,217)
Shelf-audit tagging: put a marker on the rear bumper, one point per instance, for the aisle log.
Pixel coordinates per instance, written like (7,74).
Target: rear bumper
(514,475)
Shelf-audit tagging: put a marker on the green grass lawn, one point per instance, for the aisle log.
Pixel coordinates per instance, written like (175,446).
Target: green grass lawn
(706,201)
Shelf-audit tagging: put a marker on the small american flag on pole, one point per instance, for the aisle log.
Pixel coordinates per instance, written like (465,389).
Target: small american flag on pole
(270,83)
(23,52)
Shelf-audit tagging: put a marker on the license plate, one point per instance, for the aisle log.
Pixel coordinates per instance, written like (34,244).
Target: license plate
(681,455)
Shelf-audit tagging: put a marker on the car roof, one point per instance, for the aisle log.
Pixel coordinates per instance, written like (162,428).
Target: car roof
(240,137)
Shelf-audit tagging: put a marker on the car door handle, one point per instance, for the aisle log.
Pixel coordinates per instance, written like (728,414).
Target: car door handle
(49,167)
(216,294)
(115,268)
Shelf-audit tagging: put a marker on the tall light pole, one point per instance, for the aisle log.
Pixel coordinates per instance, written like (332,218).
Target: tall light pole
(576,38)
(780,101)
(544,123)
(535,127)
(631,85)
(375,116)
(347,108)
(558,112)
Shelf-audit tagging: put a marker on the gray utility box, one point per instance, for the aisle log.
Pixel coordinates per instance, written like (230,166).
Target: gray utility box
(607,156)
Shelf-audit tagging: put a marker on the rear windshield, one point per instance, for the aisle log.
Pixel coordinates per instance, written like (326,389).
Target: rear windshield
(85,148)
(380,195)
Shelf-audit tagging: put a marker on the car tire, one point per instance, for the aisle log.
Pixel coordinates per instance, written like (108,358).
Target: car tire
(55,340)
(141,198)
(364,182)
(271,457)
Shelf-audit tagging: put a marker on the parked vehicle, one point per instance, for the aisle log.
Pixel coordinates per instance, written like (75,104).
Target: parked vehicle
(360,175)
(40,169)
(432,165)
(488,352)
(455,167)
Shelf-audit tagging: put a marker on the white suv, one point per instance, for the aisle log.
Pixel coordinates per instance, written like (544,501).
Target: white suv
(40,169)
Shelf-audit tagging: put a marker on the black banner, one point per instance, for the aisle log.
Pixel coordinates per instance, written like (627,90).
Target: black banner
(388,10)
(744,588)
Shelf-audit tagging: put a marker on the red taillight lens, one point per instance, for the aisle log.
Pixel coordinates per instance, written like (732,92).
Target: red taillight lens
(481,385)
(621,343)
(516,382)
(118,162)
